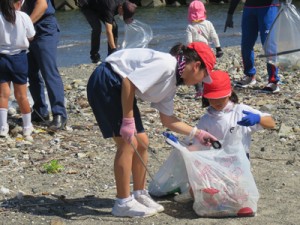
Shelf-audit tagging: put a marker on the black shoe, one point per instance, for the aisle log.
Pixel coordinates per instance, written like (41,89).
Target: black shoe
(58,123)
(95,58)
(36,117)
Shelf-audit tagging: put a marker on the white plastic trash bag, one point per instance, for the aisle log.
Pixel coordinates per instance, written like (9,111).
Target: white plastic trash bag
(137,35)
(282,46)
(221,180)
(171,177)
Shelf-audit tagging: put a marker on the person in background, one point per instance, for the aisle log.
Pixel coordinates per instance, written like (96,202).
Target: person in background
(43,66)
(258,17)
(103,11)
(223,115)
(201,29)
(16,31)
(153,76)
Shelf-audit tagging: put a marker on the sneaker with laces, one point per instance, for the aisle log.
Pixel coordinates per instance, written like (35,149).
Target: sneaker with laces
(27,131)
(183,198)
(246,81)
(145,199)
(4,131)
(271,88)
(132,209)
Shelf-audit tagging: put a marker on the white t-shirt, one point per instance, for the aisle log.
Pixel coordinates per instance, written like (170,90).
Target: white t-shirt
(14,37)
(202,32)
(152,72)
(218,123)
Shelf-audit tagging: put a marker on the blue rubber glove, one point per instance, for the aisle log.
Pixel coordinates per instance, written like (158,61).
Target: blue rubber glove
(170,136)
(250,119)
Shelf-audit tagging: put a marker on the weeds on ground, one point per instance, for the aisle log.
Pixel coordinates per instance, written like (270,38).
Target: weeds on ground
(53,167)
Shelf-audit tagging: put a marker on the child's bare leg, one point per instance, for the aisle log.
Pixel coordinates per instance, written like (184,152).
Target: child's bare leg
(139,174)
(138,167)
(4,94)
(21,97)
(123,167)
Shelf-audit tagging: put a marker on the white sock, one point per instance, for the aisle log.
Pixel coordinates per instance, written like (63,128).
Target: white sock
(26,120)
(124,200)
(3,117)
(137,193)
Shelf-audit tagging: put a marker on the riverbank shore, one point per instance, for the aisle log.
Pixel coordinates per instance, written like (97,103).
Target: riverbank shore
(83,191)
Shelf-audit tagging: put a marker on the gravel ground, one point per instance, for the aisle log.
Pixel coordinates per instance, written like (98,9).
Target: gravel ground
(84,191)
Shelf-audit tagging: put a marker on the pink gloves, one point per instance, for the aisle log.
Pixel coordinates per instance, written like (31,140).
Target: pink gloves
(127,129)
(205,138)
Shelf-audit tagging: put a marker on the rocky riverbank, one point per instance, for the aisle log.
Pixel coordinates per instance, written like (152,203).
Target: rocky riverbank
(83,191)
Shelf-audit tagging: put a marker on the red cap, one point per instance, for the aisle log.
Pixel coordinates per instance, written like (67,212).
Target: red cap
(207,55)
(220,86)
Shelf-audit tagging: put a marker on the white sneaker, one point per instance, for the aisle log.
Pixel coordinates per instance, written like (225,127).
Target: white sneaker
(27,131)
(183,198)
(246,81)
(4,131)
(132,209)
(145,199)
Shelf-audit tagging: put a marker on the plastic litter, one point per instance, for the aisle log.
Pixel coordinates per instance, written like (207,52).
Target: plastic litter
(282,46)
(137,35)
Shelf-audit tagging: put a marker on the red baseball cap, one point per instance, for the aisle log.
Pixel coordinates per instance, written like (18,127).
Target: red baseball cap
(220,86)
(207,55)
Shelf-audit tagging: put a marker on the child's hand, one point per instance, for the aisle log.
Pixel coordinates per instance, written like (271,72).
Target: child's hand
(205,138)
(250,119)
(127,129)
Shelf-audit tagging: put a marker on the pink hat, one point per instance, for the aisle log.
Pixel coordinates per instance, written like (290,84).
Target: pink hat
(220,87)
(196,11)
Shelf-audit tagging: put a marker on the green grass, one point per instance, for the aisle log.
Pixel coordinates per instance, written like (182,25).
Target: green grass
(53,167)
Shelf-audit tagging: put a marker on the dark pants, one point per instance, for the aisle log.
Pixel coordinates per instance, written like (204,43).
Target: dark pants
(104,96)
(14,68)
(95,20)
(42,58)
(257,21)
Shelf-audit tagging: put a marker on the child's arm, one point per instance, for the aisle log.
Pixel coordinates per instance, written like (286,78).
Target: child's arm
(189,35)
(252,119)
(215,39)
(267,122)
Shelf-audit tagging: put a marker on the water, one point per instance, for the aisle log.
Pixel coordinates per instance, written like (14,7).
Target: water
(168,25)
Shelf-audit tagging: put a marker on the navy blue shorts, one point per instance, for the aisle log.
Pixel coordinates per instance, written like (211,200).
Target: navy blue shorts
(104,96)
(14,68)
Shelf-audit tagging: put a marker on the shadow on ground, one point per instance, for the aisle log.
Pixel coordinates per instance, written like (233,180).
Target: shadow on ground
(60,206)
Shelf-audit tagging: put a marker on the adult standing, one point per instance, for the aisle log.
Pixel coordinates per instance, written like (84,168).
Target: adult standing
(103,11)
(42,65)
(153,76)
(258,17)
